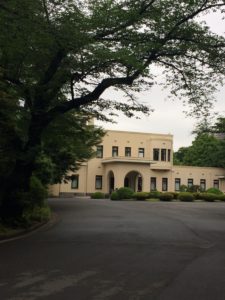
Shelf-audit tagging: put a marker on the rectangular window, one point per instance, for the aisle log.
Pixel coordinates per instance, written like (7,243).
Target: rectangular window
(153,186)
(114,151)
(74,181)
(164,184)
(202,185)
(127,151)
(98,182)
(169,155)
(141,152)
(216,184)
(177,184)
(190,182)
(155,154)
(99,151)
(163,154)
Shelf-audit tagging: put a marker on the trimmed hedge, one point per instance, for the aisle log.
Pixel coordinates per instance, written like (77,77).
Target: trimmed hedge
(125,193)
(140,196)
(114,196)
(186,197)
(154,195)
(97,195)
(209,197)
(166,197)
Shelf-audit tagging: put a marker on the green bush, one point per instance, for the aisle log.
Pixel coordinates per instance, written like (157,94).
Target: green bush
(140,196)
(36,214)
(154,195)
(186,197)
(183,188)
(193,189)
(125,193)
(97,195)
(175,194)
(114,196)
(166,197)
(209,197)
(221,197)
(38,193)
(214,191)
(196,196)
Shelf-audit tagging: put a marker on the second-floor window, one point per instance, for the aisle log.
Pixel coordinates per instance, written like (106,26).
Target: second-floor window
(99,151)
(169,155)
(141,152)
(114,151)
(155,154)
(127,151)
(163,154)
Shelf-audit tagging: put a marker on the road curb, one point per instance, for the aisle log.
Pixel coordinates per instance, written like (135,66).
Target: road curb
(27,232)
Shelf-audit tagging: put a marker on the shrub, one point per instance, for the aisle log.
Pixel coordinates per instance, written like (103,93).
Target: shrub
(114,196)
(196,196)
(125,193)
(221,197)
(38,193)
(97,195)
(214,191)
(186,197)
(183,188)
(208,197)
(193,189)
(175,194)
(166,197)
(36,214)
(140,196)
(154,195)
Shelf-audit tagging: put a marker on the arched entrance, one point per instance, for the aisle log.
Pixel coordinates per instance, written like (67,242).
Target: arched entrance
(133,180)
(111,181)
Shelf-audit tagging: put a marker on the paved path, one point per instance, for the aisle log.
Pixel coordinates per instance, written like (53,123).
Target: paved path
(104,249)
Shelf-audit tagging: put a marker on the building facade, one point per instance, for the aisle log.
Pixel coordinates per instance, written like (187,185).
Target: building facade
(141,161)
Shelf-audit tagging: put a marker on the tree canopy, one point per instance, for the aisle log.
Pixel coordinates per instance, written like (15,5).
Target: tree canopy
(58,57)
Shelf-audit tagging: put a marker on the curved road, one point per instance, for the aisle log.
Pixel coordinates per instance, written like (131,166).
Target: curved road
(102,249)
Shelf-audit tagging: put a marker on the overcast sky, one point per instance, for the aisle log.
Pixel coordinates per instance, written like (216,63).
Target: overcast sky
(168,116)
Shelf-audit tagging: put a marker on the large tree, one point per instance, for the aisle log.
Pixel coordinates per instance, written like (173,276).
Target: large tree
(62,55)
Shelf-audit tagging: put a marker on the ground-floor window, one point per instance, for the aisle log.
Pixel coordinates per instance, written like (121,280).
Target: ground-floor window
(98,182)
(190,182)
(177,184)
(153,185)
(202,185)
(74,181)
(216,184)
(164,184)
(139,183)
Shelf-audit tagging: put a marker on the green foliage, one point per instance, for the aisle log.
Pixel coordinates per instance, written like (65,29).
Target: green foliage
(125,193)
(166,197)
(183,188)
(35,214)
(114,196)
(38,193)
(221,197)
(208,197)
(214,191)
(97,195)
(193,189)
(186,197)
(154,195)
(140,196)
(175,194)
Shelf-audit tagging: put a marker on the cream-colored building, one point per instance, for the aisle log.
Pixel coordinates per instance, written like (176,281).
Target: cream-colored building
(141,161)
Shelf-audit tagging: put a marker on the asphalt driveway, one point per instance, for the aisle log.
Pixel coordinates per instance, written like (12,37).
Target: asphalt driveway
(102,249)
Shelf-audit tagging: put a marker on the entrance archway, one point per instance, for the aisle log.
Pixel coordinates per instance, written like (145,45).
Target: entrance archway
(133,180)
(111,181)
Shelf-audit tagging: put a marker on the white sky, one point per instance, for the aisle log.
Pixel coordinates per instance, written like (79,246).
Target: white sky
(168,115)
